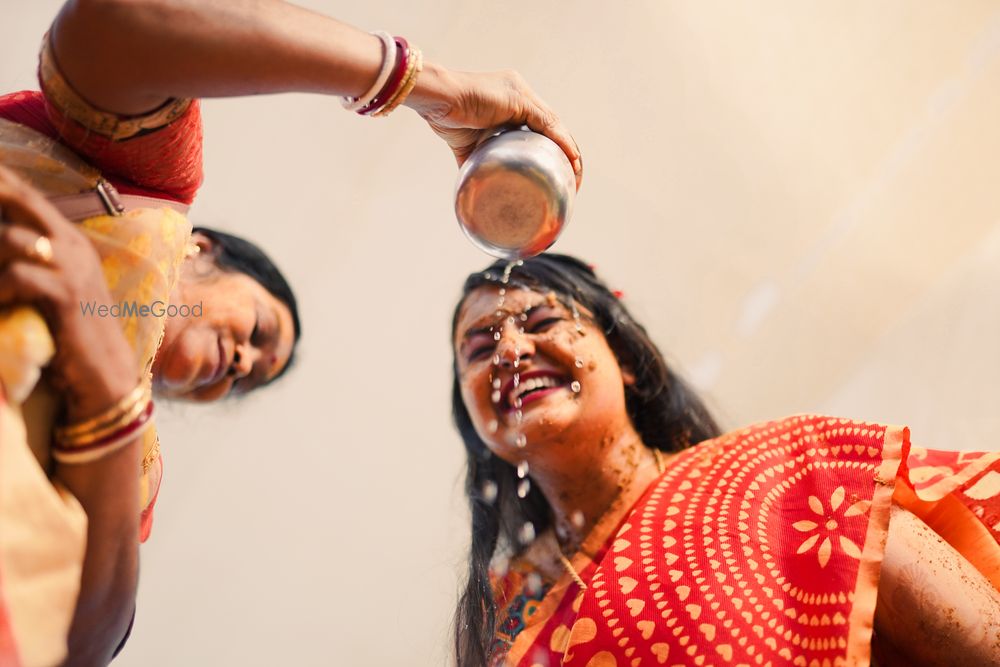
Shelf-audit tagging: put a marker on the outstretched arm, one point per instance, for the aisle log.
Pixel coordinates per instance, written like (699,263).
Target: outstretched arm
(129,56)
(933,605)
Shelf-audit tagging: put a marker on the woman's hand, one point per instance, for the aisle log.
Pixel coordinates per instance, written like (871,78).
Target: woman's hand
(46,261)
(463,107)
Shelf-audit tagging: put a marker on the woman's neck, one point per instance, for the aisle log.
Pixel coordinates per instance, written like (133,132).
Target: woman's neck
(604,472)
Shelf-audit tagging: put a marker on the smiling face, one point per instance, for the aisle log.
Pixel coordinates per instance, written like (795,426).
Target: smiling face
(243,338)
(570,387)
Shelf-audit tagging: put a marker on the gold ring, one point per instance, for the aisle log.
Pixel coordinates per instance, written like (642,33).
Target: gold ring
(41,250)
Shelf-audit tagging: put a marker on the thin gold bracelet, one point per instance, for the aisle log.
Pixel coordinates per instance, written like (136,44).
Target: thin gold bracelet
(105,430)
(68,456)
(108,415)
(96,428)
(413,69)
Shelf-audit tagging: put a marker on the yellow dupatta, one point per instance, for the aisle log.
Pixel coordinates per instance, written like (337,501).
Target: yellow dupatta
(42,527)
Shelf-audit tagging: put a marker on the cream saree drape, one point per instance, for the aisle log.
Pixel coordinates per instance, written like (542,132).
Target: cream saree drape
(42,527)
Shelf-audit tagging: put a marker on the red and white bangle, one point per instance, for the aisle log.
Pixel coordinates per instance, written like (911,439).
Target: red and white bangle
(394,83)
(388,65)
(107,444)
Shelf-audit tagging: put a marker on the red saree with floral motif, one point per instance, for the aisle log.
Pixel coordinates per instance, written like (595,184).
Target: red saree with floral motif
(761,547)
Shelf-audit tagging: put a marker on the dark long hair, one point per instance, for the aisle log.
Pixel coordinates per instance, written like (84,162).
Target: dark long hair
(664,410)
(233,253)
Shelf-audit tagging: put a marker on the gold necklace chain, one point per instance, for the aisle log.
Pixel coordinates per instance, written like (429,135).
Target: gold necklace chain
(574,575)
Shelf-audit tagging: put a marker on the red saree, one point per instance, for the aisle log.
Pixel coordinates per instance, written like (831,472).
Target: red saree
(761,547)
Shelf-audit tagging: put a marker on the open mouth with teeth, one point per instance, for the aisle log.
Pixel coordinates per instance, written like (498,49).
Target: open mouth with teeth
(532,386)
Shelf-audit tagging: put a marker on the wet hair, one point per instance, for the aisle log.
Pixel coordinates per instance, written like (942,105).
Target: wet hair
(233,253)
(665,411)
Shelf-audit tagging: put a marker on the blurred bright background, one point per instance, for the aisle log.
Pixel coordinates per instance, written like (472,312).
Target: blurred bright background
(800,200)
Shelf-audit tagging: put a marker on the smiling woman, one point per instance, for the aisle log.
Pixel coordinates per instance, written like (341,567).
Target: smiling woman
(246,331)
(649,538)
(114,141)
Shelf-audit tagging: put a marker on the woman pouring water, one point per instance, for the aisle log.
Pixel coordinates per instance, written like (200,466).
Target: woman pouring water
(120,82)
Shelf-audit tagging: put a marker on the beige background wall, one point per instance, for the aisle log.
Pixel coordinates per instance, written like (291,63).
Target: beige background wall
(799,199)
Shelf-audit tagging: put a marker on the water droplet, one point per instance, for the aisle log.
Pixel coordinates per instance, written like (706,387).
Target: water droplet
(575,386)
(527,533)
(577,519)
(496,397)
(522,469)
(522,440)
(499,313)
(523,488)
(510,320)
(518,416)
(517,379)
(490,491)
(524,317)
(518,403)
(496,383)
(493,426)
(500,565)
(578,363)
(517,361)
(533,584)
(502,291)
(496,335)
(496,359)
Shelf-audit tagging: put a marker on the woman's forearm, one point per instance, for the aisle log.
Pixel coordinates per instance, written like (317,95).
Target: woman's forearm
(933,605)
(108,490)
(129,56)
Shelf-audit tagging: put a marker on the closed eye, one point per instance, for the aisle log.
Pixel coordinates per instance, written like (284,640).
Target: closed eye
(255,337)
(479,353)
(543,324)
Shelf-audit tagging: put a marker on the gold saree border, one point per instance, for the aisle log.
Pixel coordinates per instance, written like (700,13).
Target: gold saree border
(861,622)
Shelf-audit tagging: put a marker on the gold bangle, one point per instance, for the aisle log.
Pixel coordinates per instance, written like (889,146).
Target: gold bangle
(411,62)
(99,427)
(407,87)
(91,437)
(410,85)
(132,410)
(413,68)
(67,456)
(108,415)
